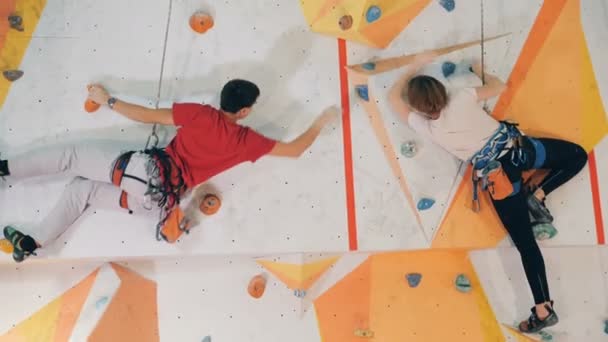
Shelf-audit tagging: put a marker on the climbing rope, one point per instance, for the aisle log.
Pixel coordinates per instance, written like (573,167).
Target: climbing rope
(483,71)
(483,55)
(154,135)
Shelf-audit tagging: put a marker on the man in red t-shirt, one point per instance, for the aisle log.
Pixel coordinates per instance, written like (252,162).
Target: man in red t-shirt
(208,141)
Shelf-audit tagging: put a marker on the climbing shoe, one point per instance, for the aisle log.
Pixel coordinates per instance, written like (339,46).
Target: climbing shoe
(534,324)
(23,245)
(3,168)
(539,211)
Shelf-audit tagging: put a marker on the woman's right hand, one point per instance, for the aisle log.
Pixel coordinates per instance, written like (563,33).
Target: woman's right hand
(477,68)
(426,57)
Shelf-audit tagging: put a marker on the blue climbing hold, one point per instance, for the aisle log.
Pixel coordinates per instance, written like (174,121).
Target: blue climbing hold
(101,302)
(449,5)
(369,66)
(448,69)
(299,293)
(362,92)
(413,279)
(425,203)
(373,13)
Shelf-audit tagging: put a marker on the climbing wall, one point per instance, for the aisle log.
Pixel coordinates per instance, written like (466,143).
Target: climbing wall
(358,240)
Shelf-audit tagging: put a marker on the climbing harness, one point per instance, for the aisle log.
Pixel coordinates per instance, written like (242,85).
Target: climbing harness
(488,171)
(164,183)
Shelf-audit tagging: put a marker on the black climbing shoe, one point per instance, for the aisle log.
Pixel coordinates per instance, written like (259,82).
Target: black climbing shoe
(539,211)
(3,169)
(23,245)
(534,324)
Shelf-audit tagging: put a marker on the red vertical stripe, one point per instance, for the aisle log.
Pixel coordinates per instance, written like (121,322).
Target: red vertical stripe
(597,202)
(348,151)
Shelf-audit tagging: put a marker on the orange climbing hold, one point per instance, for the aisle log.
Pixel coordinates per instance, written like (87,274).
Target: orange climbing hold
(257,286)
(201,22)
(91,106)
(6,246)
(210,204)
(171,230)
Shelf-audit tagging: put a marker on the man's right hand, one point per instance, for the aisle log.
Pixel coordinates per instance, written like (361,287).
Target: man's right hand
(328,116)
(295,148)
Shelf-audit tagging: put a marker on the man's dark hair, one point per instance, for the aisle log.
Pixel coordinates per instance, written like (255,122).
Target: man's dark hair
(238,94)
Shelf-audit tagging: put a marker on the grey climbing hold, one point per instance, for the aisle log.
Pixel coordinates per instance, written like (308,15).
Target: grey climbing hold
(409,149)
(449,5)
(15,22)
(448,69)
(413,279)
(206,339)
(12,75)
(373,13)
(545,336)
(362,92)
(463,284)
(299,293)
(369,66)
(425,204)
(544,231)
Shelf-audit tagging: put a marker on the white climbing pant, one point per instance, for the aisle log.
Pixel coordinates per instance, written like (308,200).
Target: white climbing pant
(90,165)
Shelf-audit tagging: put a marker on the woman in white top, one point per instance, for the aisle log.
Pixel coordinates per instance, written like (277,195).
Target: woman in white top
(458,123)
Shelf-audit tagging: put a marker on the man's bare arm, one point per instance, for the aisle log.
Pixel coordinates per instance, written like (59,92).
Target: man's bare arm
(163,116)
(298,146)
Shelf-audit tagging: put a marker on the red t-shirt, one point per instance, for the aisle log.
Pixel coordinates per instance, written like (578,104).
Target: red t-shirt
(207,143)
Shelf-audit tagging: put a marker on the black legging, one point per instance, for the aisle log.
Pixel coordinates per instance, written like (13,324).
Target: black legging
(564,160)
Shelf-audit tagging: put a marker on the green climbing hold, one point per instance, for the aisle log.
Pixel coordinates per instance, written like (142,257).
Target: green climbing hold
(408,149)
(606,326)
(544,231)
(463,284)
(207,339)
(545,336)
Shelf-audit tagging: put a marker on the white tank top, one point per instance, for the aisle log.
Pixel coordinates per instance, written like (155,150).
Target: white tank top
(463,126)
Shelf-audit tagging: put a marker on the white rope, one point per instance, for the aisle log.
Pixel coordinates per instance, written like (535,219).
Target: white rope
(154,134)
